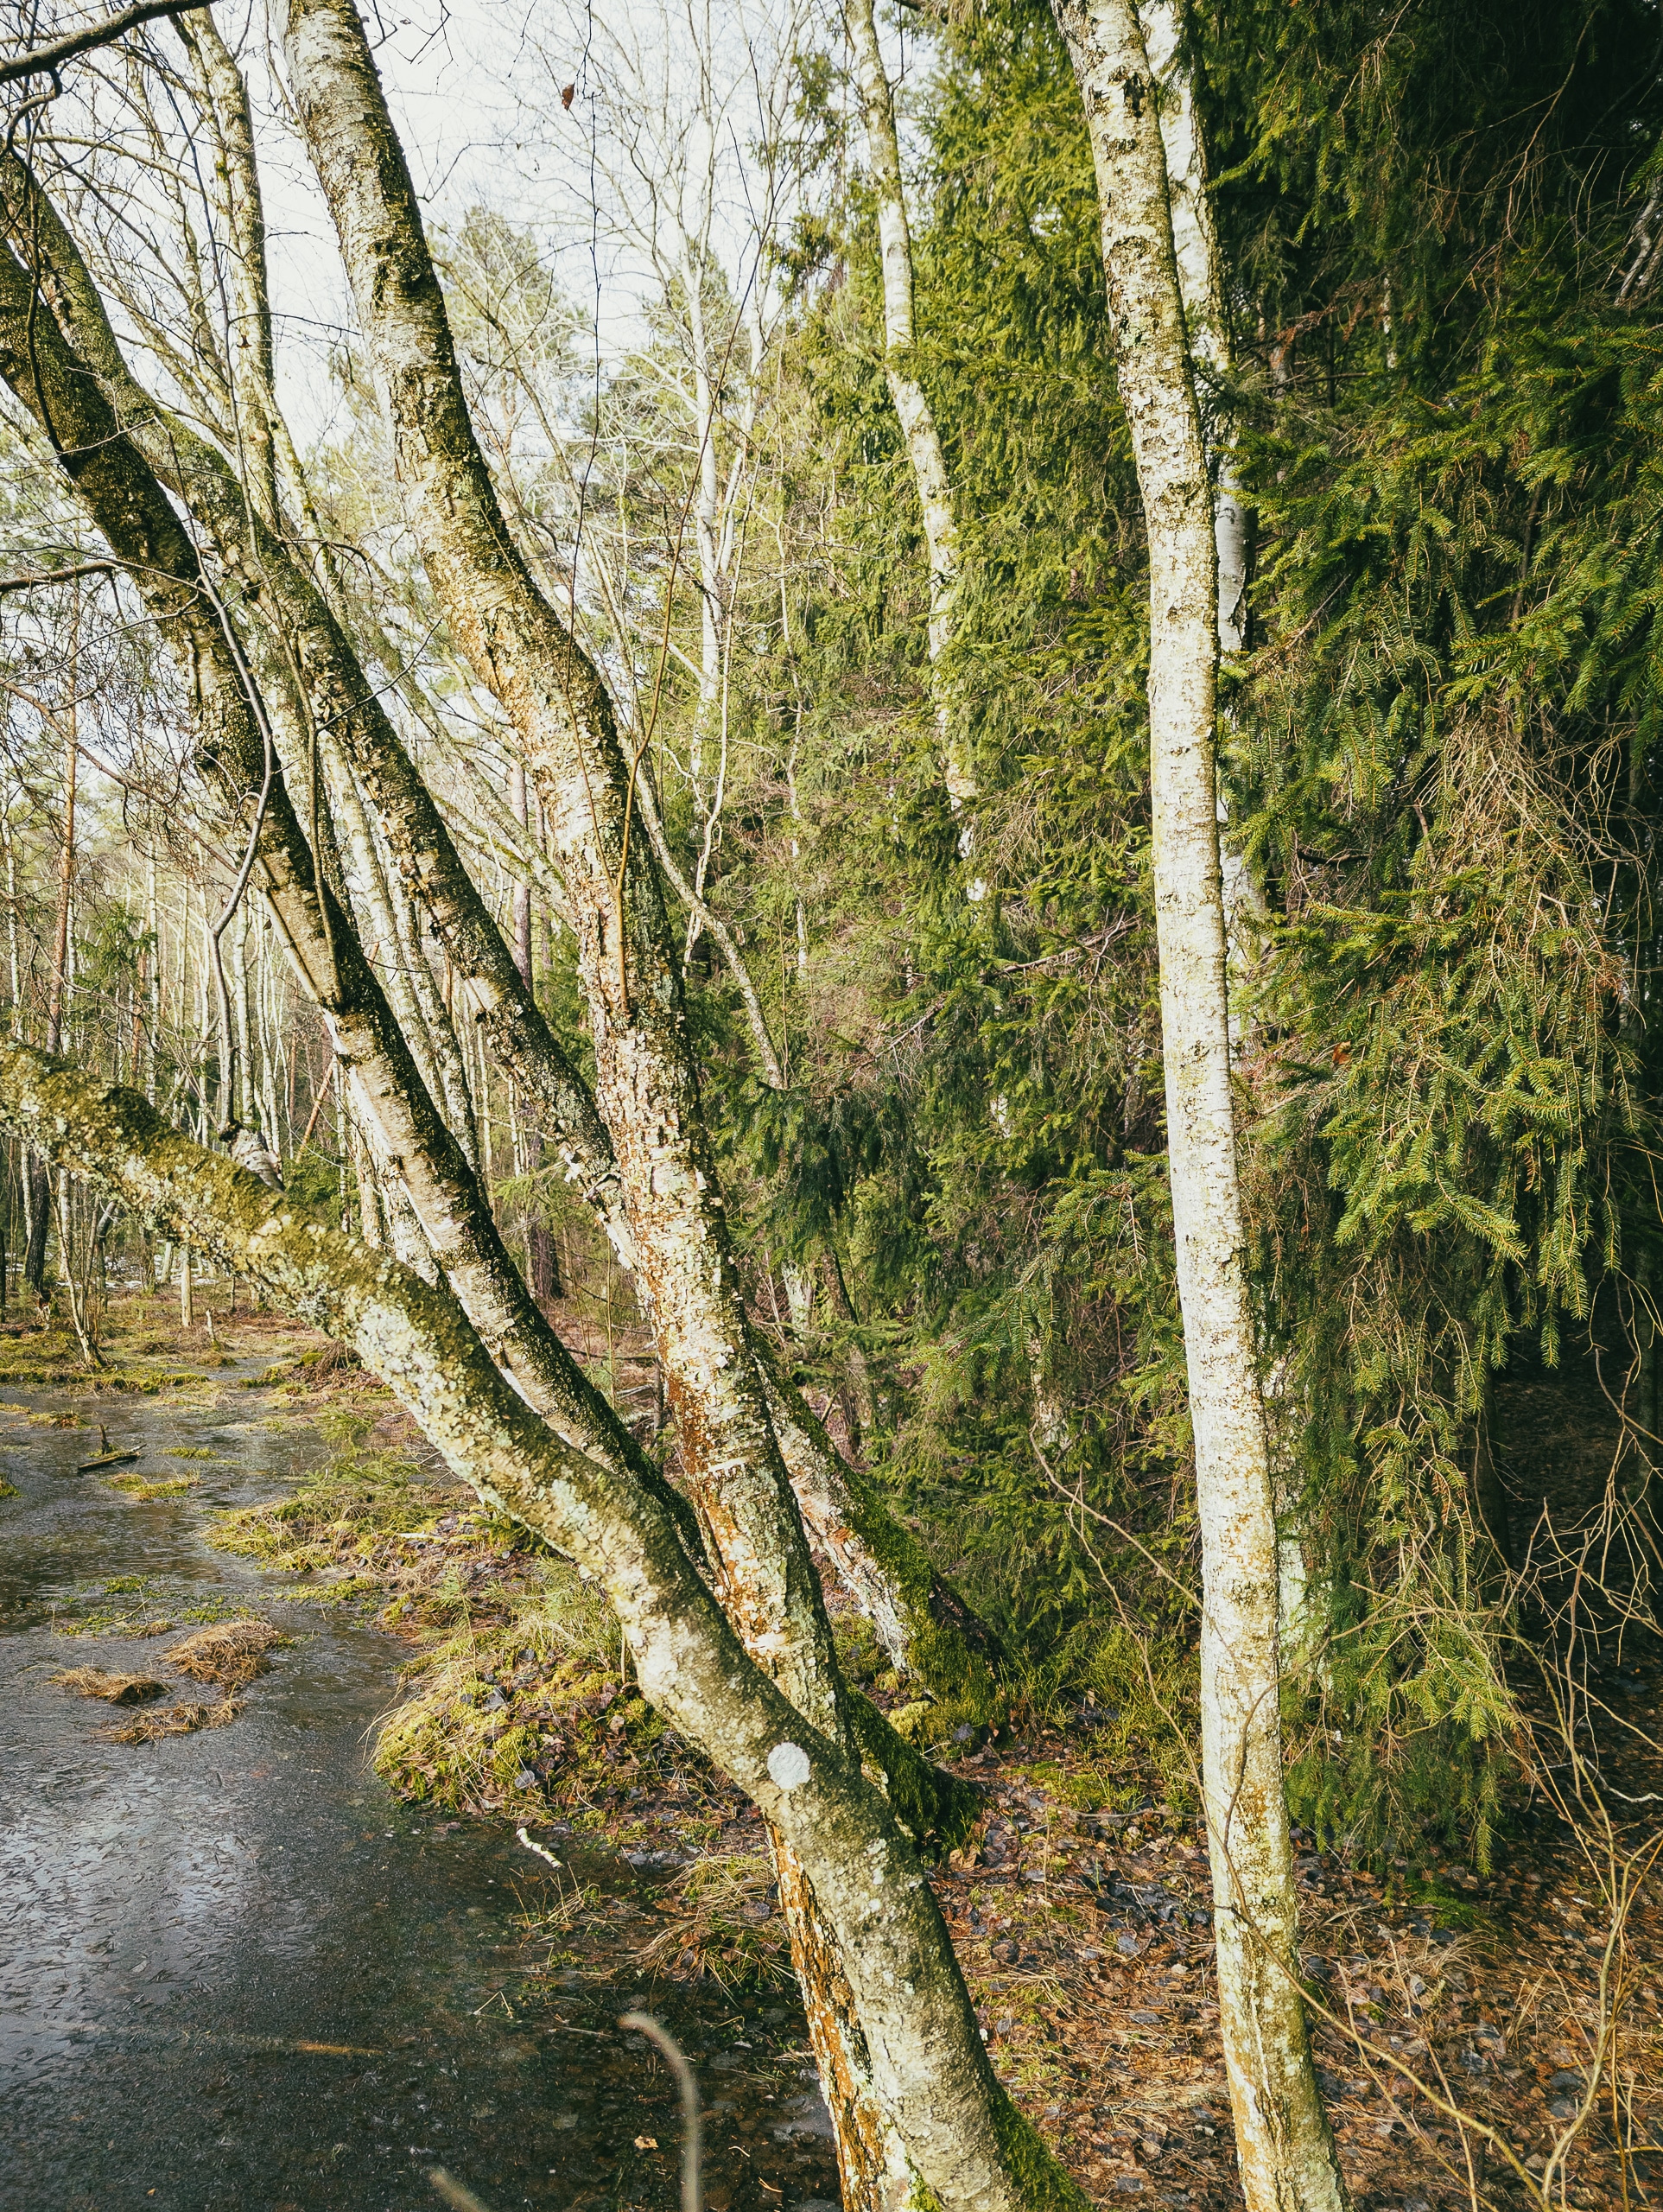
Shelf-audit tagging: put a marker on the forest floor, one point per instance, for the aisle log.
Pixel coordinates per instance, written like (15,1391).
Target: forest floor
(1456,2001)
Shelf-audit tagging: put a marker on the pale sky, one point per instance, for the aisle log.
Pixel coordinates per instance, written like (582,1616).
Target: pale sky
(458,73)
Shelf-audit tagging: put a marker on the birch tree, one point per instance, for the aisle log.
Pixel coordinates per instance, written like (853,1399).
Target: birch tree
(323,699)
(892,2129)
(1285,2146)
(901,2115)
(931,477)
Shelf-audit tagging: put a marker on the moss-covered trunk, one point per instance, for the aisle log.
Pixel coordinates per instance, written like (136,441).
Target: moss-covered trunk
(889,1960)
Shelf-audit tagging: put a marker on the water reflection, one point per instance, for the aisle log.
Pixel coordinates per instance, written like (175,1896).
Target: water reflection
(233,1973)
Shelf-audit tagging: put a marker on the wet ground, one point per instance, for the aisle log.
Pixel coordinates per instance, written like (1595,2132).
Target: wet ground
(233,1971)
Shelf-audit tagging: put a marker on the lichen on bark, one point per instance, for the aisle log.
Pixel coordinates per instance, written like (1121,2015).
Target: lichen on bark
(929,2076)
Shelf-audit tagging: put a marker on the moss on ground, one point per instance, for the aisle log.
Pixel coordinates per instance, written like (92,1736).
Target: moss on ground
(141,1486)
(353,1512)
(525,1711)
(134,1605)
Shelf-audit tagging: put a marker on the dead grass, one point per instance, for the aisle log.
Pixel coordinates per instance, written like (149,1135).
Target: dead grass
(229,1655)
(177,1720)
(113,1688)
(723,1922)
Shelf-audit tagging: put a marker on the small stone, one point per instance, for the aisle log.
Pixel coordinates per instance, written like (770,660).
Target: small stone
(1127,1945)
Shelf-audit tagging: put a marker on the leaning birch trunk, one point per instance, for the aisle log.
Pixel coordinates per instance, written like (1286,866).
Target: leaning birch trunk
(390,1102)
(967,2146)
(647,1082)
(343,701)
(1285,2146)
(324,952)
(910,401)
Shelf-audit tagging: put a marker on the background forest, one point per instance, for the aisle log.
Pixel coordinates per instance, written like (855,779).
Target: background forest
(928,1032)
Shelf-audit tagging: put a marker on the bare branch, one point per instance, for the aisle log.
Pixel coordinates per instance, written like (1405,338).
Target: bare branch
(41,60)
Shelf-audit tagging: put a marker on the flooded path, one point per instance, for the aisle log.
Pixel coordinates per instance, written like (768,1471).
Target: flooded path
(234,1971)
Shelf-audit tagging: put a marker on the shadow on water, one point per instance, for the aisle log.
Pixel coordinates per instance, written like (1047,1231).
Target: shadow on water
(235,1972)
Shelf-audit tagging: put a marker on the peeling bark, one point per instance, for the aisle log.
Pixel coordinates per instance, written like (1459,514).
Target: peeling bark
(1284,2146)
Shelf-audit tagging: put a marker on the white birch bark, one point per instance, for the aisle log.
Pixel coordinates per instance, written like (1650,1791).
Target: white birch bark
(647,1083)
(907,395)
(1195,246)
(967,2147)
(1287,2151)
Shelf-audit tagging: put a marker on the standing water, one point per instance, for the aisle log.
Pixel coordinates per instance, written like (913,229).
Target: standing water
(235,1971)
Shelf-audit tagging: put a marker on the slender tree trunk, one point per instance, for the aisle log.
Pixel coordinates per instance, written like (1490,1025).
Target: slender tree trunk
(40,1189)
(907,395)
(1195,242)
(1287,2151)
(647,1082)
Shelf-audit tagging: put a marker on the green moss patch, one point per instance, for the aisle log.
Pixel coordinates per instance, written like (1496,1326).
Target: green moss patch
(352,1512)
(528,1714)
(141,1487)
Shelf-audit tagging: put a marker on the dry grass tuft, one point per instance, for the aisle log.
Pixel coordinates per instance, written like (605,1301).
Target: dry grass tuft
(229,1655)
(724,1922)
(114,1689)
(177,1720)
